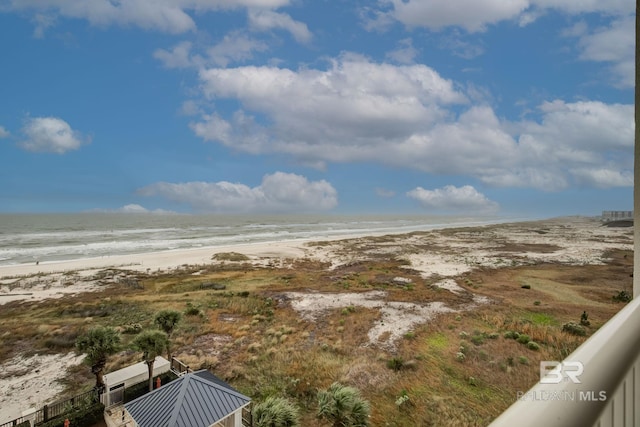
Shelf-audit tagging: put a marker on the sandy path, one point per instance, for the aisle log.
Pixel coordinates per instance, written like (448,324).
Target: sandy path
(26,382)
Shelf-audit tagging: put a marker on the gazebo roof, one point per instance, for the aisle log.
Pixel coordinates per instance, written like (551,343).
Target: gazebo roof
(197,399)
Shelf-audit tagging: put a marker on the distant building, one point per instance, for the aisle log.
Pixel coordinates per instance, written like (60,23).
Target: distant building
(616,215)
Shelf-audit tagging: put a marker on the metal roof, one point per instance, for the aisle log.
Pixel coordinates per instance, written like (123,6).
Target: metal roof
(197,399)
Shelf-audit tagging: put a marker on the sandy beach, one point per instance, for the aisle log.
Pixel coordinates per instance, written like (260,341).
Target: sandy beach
(435,254)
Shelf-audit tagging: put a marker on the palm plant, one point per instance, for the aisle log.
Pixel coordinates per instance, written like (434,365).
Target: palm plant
(151,343)
(167,320)
(343,406)
(275,412)
(98,344)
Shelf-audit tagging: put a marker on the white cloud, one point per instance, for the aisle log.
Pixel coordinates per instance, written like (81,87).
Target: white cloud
(42,22)
(190,107)
(132,209)
(265,20)
(278,192)
(410,117)
(405,53)
(51,134)
(4,133)
(234,47)
(458,46)
(452,198)
(609,7)
(603,177)
(178,57)
(383,192)
(472,15)
(569,145)
(477,15)
(614,44)
(353,103)
(170,16)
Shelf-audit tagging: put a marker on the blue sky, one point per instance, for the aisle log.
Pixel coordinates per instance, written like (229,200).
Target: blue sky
(508,107)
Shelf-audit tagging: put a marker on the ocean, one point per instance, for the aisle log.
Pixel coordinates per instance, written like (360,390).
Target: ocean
(30,238)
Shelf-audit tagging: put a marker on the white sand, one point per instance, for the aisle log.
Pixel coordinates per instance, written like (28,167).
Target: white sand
(30,382)
(57,279)
(397,318)
(580,241)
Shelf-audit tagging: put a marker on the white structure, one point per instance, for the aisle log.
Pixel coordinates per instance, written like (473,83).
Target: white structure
(616,215)
(117,381)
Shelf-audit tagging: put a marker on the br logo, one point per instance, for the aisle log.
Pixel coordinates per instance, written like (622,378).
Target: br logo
(552,372)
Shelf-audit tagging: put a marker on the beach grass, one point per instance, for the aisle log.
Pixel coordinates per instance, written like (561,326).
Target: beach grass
(459,368)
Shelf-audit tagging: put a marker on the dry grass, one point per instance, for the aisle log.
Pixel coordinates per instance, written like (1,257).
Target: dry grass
(249,335)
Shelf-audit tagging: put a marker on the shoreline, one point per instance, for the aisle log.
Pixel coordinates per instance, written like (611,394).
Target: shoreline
(440,256)
(142,261)
(118,260)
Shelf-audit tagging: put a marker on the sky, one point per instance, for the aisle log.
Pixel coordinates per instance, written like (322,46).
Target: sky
(465,107)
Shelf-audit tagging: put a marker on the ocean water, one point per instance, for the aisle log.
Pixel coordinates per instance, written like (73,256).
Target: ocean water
(25,239)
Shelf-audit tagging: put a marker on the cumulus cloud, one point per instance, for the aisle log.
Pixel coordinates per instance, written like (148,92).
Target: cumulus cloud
(265,20)
(472,15)
(454,199)
(51,134)
(278,192)
(4,133)
(477,15)
(409,116)
(613,44)
(354,102)
(171,16)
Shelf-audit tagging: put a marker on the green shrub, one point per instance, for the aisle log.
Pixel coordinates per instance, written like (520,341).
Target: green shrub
(574,329)
(229,256)
(523,339)
(276,412)
(511,335)
(523,360)
(395,363)
(622,296)
(532,345)
(409,335)
(192,310)
(477,339)
(343,406)
(525,286)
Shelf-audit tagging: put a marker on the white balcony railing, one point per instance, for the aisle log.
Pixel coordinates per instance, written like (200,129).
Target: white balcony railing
(608,391)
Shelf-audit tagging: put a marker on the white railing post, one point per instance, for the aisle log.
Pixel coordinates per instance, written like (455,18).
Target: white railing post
(636,162)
